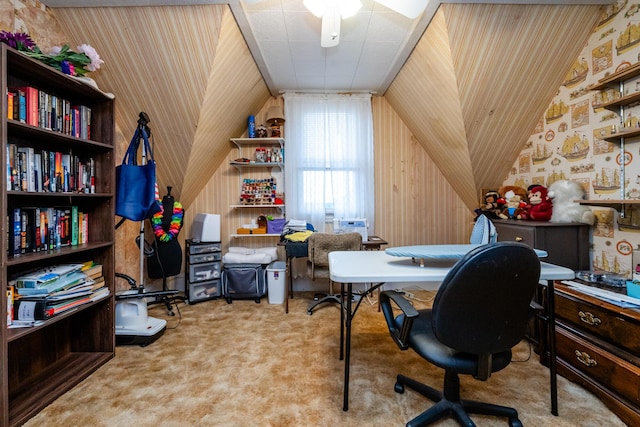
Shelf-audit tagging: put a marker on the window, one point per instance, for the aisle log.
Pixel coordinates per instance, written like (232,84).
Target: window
(329,157)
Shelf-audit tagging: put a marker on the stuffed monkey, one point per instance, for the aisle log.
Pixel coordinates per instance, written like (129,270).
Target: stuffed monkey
(539,207)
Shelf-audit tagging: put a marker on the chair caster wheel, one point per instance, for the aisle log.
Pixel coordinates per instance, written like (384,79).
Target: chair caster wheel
(514,422)
(398,388)
(309,312)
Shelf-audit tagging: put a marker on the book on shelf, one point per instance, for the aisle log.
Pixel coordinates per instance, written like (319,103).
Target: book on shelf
(15,229)
(35,229)
(33,170)
(10,96)
(41,276)
(74,225)
(20,108)
(31,104)
(64,283)
(100,293)
(31,310)
(47,111)
(92,270)
(10,304)
(34,309)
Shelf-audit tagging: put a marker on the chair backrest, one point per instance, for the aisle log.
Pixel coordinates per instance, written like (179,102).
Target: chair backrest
(483,304)
(320,244)
(484,231)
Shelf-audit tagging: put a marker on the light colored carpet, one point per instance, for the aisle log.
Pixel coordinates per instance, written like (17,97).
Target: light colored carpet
(248,364)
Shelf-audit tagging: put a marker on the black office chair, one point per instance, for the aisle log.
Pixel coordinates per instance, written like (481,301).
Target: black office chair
(479,313)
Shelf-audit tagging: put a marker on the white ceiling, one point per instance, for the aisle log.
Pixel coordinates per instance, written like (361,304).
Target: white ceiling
(374,44)
(284,39)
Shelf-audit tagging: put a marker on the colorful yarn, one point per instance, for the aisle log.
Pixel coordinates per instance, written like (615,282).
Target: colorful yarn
(174,226)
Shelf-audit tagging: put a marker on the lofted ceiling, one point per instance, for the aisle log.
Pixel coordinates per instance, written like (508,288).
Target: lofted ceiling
(471,87)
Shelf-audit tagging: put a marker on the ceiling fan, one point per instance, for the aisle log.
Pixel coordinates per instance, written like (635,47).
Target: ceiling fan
(333,11)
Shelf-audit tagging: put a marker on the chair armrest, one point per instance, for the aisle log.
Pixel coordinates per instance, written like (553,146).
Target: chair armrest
(535,308)
(400,335)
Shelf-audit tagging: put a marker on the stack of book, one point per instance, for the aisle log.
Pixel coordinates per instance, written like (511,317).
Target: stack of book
(46,292)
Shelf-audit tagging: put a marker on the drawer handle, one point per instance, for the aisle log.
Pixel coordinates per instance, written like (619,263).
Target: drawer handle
(585,359)
(519,239)
(589,318)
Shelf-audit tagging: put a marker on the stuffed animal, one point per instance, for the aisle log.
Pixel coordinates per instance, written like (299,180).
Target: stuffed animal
(564,195)
(539,207)
(513,200)
(491,207)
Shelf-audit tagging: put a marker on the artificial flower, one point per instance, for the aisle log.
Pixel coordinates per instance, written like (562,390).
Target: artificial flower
(20,41)
(93,55)
(60,58)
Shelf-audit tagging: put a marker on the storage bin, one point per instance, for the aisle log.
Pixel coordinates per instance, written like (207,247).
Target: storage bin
(276,225)
(276,275)
(633,289)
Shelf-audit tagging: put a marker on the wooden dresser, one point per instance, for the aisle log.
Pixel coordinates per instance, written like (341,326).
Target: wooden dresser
(566,244)
(598,346)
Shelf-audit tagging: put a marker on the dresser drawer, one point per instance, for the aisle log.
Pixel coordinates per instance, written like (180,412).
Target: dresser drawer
(204,248)
(617,330)
(603,367)
(517,233)
(213,256)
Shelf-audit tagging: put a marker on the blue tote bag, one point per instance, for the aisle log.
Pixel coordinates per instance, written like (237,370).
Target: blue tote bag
(136,184)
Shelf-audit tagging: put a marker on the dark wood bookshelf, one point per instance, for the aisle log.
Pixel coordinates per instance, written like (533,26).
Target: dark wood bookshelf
(41,363)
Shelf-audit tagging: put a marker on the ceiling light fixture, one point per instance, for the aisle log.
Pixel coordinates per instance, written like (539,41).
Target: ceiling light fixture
(331,12)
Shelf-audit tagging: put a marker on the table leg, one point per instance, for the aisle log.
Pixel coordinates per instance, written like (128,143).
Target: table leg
(342,323)
(551,331)
(289,291)
(347,350)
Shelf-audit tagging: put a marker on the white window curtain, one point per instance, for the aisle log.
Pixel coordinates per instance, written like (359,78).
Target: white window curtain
(329,158)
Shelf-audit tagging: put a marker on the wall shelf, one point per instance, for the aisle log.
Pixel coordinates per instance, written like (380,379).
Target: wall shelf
(617,81)
(615,204)
(257,165)
(612,80)
(254,235)
(256,206)
(626,134)
(257,196)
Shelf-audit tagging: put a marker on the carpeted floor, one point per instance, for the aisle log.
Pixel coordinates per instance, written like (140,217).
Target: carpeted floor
(248,364)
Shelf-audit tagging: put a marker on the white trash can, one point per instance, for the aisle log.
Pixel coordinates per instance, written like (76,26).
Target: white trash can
(276,282)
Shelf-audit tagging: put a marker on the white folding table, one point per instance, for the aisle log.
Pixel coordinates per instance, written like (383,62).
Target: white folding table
(378,268)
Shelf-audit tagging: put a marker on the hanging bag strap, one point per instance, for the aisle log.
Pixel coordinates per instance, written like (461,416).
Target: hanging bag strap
(130,157)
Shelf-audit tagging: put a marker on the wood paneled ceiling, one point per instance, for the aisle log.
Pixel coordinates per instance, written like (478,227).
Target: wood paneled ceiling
(471,92)
(479,81)
(188,68)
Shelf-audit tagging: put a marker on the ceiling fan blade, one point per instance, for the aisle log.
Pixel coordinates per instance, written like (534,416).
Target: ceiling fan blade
(330,35)
(409,8)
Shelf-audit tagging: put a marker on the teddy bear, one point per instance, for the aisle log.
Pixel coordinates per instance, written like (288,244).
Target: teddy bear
(513,200)
(539,207)
(563,195)
(491,207)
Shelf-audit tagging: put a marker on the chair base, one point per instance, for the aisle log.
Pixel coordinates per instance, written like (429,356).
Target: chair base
(449,403)
(327,298)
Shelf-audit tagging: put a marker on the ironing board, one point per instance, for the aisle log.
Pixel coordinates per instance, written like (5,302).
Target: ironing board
(438,252)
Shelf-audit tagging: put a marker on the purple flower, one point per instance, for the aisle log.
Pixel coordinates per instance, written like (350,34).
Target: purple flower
(20,41)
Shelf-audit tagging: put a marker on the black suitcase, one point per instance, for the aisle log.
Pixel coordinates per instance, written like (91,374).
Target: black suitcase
(244,281)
